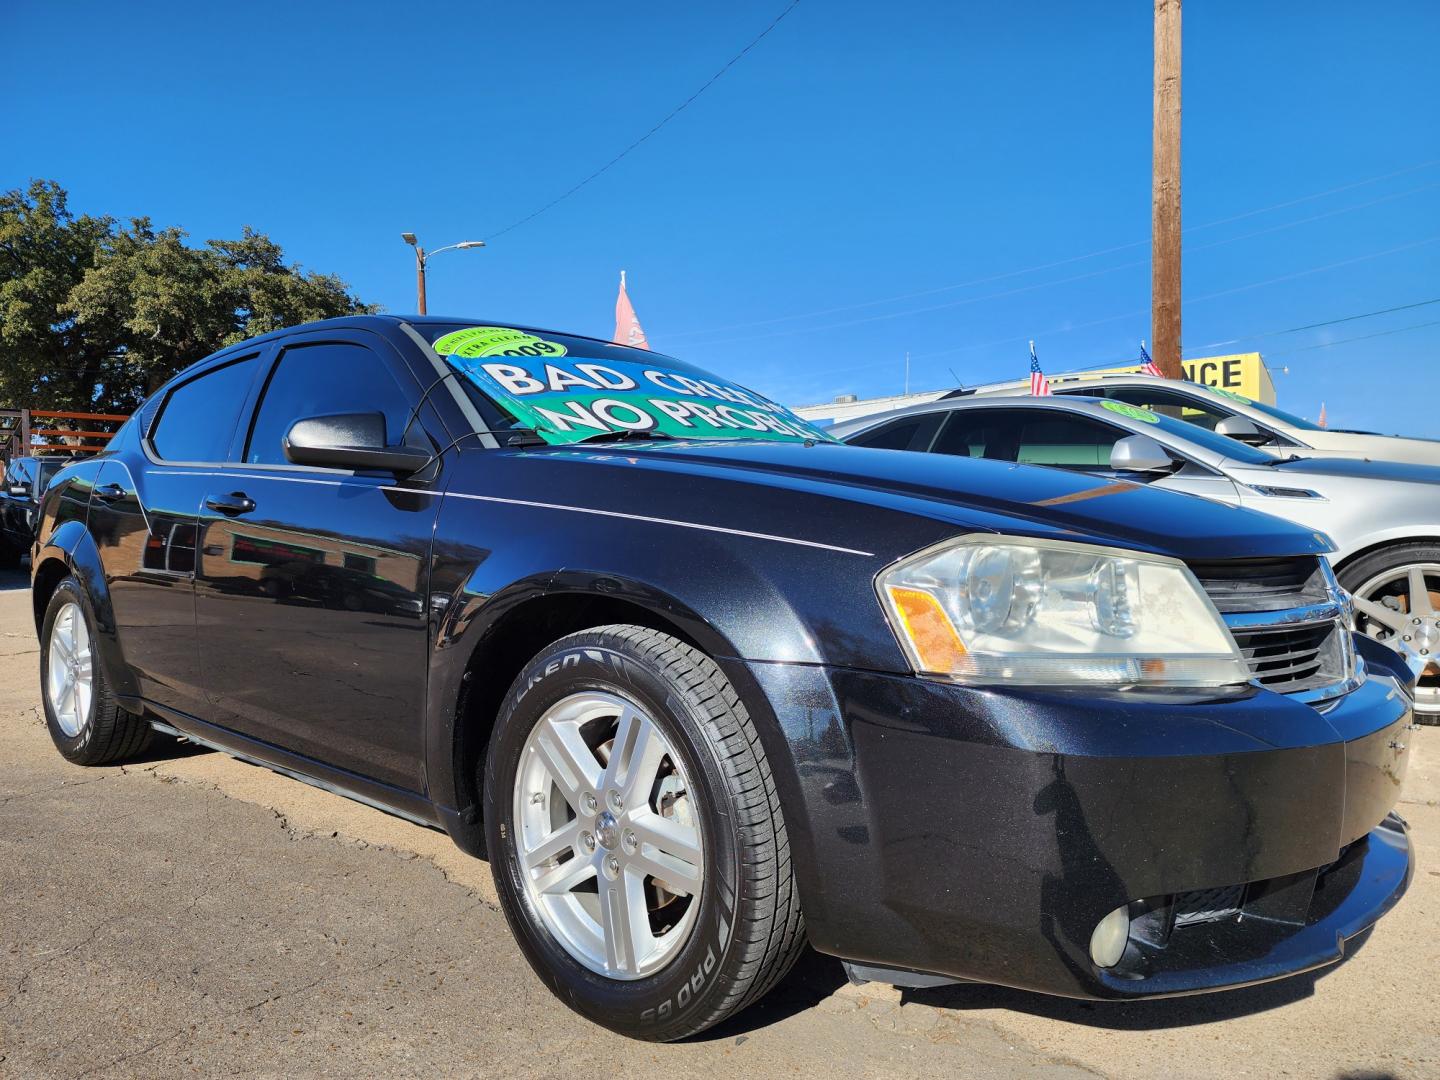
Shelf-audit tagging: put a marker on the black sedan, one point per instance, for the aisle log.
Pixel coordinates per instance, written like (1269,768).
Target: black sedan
(704,685)
(24,484)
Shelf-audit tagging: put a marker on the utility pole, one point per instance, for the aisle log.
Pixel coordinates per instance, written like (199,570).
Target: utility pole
(1165,205)
(420,280)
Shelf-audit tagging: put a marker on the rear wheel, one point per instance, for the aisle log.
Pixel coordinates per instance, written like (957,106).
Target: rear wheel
(635,835)
(85,723)
(1397,602)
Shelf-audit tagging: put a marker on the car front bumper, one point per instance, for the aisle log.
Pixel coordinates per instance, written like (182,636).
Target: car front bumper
(981,834)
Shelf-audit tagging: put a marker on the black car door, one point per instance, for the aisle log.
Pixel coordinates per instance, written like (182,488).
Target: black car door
(311,582)
(143,512)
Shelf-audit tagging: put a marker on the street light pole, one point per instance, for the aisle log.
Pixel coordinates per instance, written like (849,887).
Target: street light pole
(422,257)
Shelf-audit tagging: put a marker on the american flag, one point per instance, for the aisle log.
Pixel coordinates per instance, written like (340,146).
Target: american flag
(1148,366)
(1039,385)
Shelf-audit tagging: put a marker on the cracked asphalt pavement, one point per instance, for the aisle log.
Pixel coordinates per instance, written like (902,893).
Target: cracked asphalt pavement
(191,914)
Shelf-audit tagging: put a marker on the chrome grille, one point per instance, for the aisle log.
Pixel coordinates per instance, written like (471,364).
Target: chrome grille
(1267,584)
(1288,618)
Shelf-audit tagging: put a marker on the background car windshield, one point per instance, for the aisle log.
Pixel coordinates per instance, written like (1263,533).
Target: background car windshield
(1233,449)
(1283,416)
(569,389)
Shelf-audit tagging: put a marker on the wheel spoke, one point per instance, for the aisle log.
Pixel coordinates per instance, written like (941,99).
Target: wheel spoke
(635,760)
(571,764)
(625,922)
(1387,617)
(59,649)
(669,851)
(556,843)
(1420,603)
(66,705)
(563,878)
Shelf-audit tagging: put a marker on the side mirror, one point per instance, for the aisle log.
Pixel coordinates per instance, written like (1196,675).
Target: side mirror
(20,491)
(1140,454)
(1242,430)
(350,441)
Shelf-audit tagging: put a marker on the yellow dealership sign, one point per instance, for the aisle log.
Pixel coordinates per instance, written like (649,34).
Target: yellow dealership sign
(1239,373)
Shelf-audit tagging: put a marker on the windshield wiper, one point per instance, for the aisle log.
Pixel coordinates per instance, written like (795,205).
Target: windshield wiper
(622,436)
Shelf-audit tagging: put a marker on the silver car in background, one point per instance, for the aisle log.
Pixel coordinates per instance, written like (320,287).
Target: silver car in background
(1383,517)
(1239,417)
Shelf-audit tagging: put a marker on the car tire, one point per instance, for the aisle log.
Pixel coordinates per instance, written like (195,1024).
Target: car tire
(86,724)
(1410,621)
(744,927)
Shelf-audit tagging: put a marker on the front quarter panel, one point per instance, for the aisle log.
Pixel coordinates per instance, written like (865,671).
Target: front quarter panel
(63,539)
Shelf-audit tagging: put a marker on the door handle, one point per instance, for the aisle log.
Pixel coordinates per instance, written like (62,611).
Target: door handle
(237,502)
(109,492)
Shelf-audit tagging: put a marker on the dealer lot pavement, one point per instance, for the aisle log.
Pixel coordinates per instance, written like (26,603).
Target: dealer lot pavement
(193,914)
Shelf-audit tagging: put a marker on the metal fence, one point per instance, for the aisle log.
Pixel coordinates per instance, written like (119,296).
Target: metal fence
(28,432)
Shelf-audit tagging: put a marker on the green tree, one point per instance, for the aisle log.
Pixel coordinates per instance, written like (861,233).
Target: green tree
(97,315)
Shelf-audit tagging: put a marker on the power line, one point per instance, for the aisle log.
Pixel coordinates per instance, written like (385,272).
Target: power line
(670,116)
(1316,326)
(1071,327)
(1361,337)
(1061,281)
(1096,254)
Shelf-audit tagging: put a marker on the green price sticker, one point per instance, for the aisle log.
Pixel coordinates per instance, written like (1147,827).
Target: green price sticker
(1131,411)
(477,341)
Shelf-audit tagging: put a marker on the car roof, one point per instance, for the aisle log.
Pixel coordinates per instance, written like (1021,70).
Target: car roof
(387,321)
(1073,402)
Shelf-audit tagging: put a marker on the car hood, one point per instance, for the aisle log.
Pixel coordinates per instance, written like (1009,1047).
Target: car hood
(1347,469)
(972,495)
(1396,448)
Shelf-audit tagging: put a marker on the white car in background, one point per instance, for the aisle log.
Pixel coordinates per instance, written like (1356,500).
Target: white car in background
(1383,517)
(1238,417)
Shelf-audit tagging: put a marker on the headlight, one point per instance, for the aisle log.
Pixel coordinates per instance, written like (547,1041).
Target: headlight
(986,609)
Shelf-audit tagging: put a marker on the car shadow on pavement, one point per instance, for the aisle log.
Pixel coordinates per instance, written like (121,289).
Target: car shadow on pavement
(816,977)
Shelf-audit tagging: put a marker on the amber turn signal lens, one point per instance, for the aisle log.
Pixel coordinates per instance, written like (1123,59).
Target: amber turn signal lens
(937,645)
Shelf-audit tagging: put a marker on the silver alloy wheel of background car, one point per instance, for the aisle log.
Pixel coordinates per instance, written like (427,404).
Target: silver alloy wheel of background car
(608,838)
(1401,607)
(70,671)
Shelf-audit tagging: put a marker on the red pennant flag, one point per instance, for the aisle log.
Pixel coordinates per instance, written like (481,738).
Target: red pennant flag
(628,330)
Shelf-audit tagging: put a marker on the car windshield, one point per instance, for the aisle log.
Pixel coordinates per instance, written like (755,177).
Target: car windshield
(571,389)
(1271,411)
(1192,433)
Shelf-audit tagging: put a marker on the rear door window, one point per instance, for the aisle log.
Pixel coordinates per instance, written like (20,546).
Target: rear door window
(323,379)
(1066,441)
(197,419)
(981,433)
(909,433)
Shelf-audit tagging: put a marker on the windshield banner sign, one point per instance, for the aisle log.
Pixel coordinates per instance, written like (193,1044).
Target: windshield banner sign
(568,398)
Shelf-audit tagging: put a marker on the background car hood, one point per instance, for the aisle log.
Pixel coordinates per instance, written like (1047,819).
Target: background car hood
(970,494)
(1349,469)
(1376,447)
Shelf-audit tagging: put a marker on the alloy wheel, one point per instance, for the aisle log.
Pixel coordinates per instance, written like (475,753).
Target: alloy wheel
(1401,607)
(608,835)
(70,670)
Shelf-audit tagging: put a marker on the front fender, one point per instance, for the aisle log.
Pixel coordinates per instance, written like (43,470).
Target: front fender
(72,545)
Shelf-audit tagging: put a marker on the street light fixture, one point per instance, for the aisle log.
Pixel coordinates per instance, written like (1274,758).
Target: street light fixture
(422,257)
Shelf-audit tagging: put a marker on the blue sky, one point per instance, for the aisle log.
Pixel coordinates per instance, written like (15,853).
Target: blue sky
(969,158)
